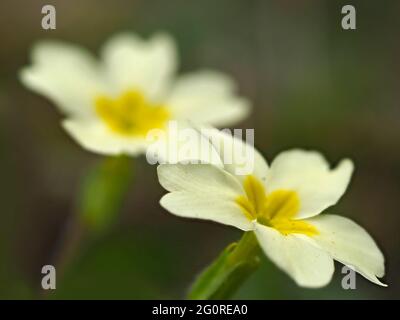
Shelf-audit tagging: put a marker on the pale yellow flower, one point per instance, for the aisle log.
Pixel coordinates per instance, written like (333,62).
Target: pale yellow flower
(112,103)
(281,203)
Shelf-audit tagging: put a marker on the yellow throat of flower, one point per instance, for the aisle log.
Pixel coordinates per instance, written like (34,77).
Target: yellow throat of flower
(276,210)
(131,114)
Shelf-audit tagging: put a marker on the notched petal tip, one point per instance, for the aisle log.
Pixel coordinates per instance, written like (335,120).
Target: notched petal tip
(351,245)
(345,165)
(380,283)
(133,41)
(165,38)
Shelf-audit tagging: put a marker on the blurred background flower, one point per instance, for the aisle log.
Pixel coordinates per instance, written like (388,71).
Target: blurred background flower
(112,104)
(313,85)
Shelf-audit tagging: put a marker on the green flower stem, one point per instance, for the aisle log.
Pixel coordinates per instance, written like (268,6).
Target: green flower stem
(103,191)
(100,199)
(226,274)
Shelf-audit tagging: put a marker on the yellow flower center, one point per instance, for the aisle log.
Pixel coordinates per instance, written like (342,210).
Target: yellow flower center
(276,210)
(130,114)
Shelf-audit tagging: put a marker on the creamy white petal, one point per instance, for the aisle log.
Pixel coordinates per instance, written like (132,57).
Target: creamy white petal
(180,142)
(237,153)
(202,191)
(350,244)
(207,97)
(295,254)
(134,63)
(96,137)
(66,74)
(308,173)
(216,83)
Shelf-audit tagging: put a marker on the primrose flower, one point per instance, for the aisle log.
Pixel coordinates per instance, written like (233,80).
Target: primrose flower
(110,105)
(281,204)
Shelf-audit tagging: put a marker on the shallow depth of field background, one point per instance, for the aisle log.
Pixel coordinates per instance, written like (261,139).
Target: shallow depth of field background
(313,85)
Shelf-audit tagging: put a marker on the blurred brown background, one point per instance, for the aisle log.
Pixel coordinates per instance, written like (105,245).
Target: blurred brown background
(313,85)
